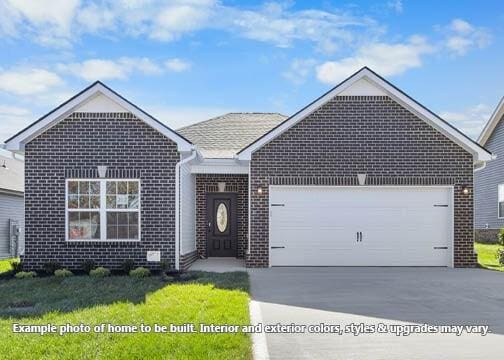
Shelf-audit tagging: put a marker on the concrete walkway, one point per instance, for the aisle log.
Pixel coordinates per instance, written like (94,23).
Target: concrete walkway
(372,296)
(218,264)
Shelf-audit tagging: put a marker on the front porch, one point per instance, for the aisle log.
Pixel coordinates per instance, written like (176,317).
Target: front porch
(218,265)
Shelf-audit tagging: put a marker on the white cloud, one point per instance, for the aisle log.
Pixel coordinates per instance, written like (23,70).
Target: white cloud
(177,65)
(386,59)
(182,17)
(13,119)
(396,5)
(49,21)
(102,69)
(277,24)
(61,22)
(299,70)
(461,37)
(28,81)
(470,120)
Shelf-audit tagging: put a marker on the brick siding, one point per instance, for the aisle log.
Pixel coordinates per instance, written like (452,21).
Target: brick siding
(234,183)
(186,260)
(75,147)
(362,134)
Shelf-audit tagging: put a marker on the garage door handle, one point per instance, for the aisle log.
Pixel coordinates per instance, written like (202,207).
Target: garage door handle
(359,236)
(440,247)
(278,247)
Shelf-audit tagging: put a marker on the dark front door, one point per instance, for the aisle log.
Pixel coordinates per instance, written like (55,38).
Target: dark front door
(221,224)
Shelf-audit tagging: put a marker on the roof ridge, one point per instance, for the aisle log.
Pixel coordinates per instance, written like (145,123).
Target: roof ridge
(228,113)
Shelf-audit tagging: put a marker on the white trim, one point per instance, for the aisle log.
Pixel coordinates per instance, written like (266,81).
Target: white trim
(177,205)
(249,189)
(102,210)
(18,142)
(220,166)
(452,230)
(478,152)
(498,202)
(492,123)
(259,342)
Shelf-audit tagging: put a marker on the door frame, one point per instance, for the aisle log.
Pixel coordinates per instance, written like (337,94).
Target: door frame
(448,187)
(233,213)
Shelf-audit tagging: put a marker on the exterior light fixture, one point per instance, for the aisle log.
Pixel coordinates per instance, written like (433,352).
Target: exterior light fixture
(465,190)
(259,190)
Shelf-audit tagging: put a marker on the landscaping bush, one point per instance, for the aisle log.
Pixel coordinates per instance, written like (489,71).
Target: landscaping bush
(164,265)
(500,257)
(16,265)
(140,272)
(128,265)
(25,274)
(100,272)
(88,265)
(500,237)
(63,273)
(51,266)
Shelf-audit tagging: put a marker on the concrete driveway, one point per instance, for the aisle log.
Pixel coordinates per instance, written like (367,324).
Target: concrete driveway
(388,296)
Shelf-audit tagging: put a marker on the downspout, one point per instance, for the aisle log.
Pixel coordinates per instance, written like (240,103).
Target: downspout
(193,155)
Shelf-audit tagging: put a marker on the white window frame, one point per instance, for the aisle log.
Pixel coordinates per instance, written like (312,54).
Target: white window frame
(499,187)
(103,211)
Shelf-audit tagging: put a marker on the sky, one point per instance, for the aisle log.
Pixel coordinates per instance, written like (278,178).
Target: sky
(185,61)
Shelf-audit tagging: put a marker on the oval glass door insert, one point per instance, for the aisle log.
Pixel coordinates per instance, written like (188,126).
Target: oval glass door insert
(222,217)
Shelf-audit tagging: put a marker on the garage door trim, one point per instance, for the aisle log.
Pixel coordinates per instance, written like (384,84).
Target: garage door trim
(451,189)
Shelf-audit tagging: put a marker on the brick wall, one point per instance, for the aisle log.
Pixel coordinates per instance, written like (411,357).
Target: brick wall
(362,134)
(234,183)
(74,147)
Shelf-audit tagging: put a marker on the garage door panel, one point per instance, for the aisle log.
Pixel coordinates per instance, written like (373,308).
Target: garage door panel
(318,226)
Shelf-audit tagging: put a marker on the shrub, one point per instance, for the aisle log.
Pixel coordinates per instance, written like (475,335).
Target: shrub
(51,266)
(63,273)
(500,257)
(500,237)
(140,272)
(100,272)
(25,274)
(88,265)
(164,265)
(167,278)
(128,265)
(16,265)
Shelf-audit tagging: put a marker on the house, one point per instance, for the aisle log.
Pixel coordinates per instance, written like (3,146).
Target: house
(11,206)
(362,176)
(489,181)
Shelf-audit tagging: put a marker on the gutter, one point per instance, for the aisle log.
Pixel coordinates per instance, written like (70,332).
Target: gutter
(484,163)
(194,153)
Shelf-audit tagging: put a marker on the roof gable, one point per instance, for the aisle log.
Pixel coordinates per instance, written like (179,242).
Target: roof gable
(492,123)
(365,82)
(93,98)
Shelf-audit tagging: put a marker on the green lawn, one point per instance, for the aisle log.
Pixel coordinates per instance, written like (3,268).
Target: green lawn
(486,256)
(121,300)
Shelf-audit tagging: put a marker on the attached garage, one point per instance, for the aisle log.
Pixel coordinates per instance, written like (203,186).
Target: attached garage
(361,226)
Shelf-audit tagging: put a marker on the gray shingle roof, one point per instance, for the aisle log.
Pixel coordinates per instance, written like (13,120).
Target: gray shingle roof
(225,135)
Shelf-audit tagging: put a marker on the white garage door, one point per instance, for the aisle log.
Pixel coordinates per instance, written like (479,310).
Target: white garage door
(360,226)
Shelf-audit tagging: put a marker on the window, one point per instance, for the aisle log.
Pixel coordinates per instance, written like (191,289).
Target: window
(103,210)
(501,201)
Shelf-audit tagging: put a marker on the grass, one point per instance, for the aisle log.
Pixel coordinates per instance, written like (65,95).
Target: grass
(487,256)
(121,300)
